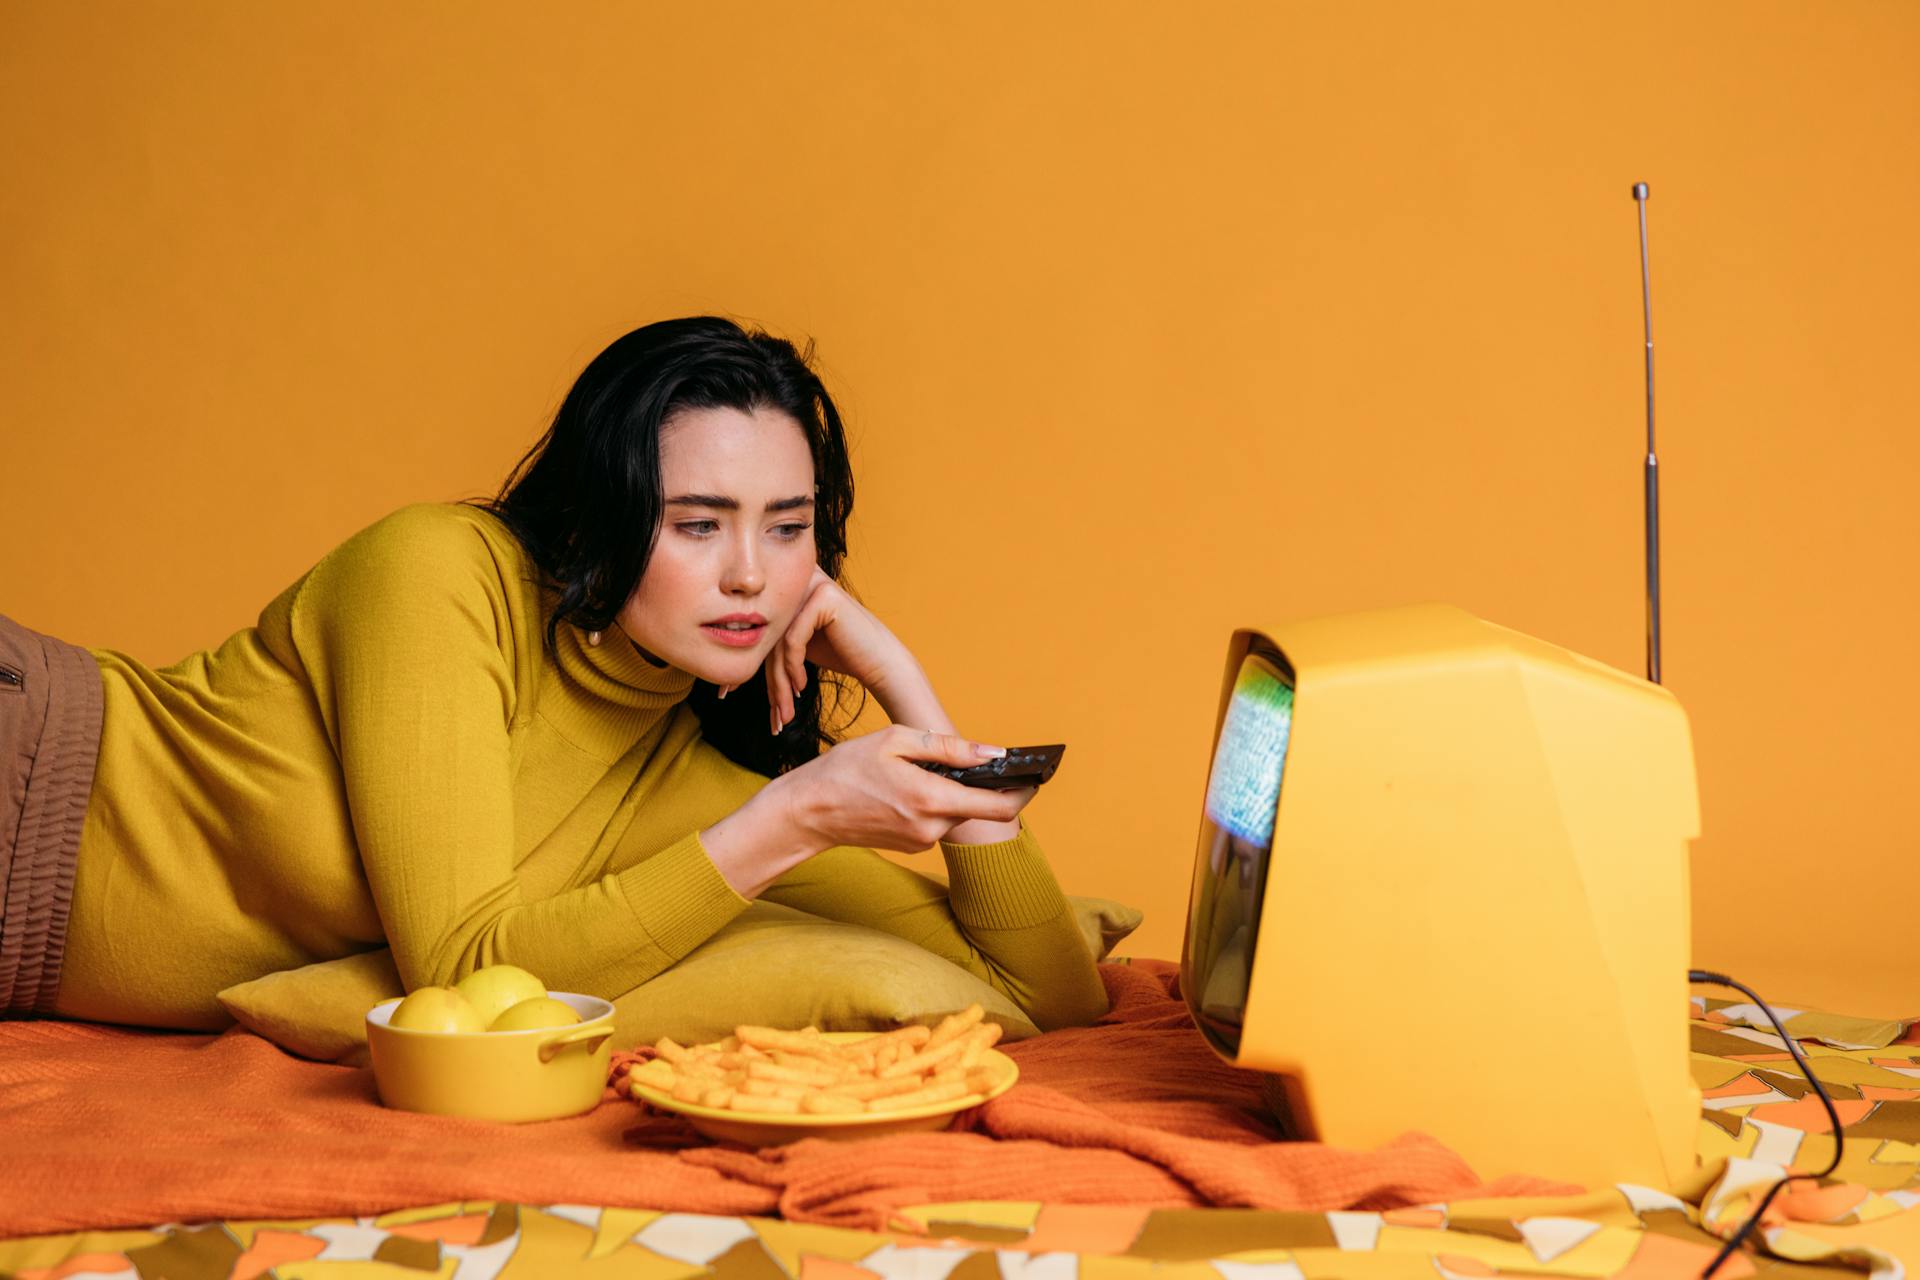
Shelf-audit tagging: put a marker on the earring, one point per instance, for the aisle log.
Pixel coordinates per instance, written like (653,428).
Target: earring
(593,638)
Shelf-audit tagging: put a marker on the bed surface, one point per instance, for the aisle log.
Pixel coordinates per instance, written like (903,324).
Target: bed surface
(1126,1147)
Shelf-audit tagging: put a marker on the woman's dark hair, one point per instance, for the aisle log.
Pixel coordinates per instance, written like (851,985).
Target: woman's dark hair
(586,501)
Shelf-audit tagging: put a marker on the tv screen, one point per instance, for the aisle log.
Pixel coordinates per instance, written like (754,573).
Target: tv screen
(1236,837)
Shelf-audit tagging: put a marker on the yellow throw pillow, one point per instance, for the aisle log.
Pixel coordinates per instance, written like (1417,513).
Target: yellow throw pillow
(1104,922)
(319,1010)
(858,979)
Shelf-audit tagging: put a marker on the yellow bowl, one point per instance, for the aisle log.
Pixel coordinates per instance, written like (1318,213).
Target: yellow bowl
(541,1074)
(773,1130)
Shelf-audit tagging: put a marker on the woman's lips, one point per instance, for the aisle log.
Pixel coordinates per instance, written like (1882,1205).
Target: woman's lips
(744,638)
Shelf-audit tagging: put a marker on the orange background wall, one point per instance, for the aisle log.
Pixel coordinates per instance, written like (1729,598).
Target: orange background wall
(1147,324)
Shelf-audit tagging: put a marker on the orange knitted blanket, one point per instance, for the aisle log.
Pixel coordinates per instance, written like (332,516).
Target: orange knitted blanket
(112,1127)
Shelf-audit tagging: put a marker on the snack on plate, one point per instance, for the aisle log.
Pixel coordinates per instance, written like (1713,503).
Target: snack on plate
(761,1071)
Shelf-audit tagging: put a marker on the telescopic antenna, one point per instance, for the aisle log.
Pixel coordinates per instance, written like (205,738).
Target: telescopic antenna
(1653,463)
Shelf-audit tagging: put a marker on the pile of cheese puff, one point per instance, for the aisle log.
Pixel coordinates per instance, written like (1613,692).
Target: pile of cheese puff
(500,997)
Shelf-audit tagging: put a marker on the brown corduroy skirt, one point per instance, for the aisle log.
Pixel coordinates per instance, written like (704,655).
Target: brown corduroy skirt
(50,703)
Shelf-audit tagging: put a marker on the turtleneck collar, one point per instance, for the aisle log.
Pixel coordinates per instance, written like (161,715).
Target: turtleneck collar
(616,695)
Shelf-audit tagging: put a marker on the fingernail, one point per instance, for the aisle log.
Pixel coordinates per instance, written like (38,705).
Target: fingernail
(985,750)
(723,691)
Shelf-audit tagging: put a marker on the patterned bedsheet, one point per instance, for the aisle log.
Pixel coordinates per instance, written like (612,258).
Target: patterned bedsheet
(1759,1117)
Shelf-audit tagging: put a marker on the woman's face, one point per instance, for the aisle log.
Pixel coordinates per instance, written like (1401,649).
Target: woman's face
(736,538)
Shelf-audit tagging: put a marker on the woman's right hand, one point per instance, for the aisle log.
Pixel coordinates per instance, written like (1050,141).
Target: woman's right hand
(867,791)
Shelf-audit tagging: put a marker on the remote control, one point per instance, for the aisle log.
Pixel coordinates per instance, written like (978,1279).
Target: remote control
(1020,767)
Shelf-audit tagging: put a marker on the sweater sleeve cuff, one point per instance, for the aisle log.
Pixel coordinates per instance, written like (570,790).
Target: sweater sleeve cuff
(679,896)
(1004,885)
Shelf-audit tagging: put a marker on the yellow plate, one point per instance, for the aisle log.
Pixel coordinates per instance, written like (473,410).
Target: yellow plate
(771,1131)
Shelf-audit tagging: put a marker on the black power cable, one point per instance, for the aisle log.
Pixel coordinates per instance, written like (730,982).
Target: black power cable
(1753,1219)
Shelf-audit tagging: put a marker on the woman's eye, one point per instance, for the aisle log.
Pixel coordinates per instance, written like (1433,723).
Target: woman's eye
(704,528)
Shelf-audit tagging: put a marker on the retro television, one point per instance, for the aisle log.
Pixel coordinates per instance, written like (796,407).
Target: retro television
(1442,885)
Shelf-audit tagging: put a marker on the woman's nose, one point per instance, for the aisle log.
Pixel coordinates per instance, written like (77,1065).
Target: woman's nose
(743,576)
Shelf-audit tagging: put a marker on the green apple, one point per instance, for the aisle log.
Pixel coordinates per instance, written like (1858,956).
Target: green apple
(541,1011)
(497,988)
(436,1009)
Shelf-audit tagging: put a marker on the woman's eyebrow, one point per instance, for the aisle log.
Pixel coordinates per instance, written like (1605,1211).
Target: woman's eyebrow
(718,502)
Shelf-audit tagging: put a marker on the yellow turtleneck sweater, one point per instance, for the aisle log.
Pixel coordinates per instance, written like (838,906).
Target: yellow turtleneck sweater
(390,757)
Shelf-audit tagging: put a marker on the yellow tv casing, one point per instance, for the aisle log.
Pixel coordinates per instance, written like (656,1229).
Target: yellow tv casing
(1475,916)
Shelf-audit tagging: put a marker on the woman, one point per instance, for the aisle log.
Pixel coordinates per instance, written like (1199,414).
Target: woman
(576,729)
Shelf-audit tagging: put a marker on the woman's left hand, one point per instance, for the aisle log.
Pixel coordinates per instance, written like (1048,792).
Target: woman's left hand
(834,631)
